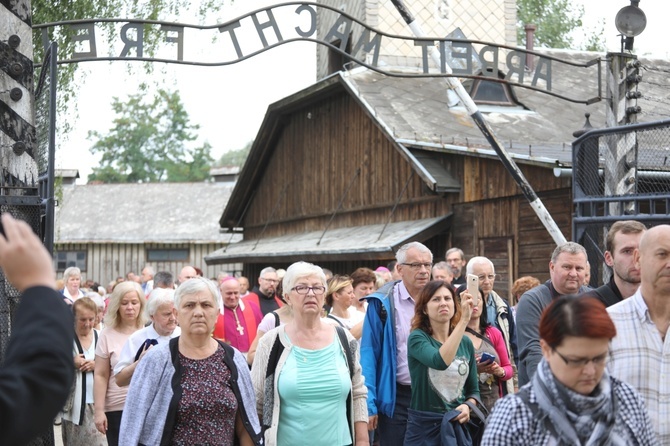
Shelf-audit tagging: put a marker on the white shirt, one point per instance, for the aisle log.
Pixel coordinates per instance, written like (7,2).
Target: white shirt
(640,357)
(134,342)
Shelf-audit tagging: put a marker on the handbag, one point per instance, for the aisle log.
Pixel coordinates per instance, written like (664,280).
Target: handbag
(477,422)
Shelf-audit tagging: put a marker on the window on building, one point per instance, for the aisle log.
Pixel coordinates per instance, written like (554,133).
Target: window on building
(336,60)
(66,259)
(167,255)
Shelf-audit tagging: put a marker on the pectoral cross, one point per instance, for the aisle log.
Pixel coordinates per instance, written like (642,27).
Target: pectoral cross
(240,329)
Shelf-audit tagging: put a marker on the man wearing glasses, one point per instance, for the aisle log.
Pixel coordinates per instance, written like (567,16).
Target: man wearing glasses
(496,309)
(263,294)
(384,344)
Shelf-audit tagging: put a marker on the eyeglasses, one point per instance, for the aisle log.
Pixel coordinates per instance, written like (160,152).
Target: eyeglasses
(582,362)
(270,280)
(304,289)
(417,266)
(490,277)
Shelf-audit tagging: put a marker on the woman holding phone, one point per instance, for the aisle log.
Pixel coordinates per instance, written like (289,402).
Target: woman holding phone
(493,364)
(441,362)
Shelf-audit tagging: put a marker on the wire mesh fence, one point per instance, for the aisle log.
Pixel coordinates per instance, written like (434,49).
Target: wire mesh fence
(620,173)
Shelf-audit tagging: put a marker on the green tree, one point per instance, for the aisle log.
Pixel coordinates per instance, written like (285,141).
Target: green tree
(49,11)
(235,157)
(150,142)
(555,20)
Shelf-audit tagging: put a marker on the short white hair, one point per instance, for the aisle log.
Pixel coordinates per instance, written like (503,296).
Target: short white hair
(195,286)
(158,297)
(479,260)
(299,270)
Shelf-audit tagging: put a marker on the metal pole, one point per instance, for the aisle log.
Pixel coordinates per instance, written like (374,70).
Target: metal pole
(455,85)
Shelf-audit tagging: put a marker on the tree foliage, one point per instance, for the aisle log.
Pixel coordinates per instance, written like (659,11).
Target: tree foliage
(151,141)
(49,11)
(555,20)
(235,157)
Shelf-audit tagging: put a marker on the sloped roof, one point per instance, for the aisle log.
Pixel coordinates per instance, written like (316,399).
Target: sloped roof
(371,242)
(414,113)
(142,213)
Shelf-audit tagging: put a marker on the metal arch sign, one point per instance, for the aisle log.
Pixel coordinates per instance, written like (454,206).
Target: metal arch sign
(266,28)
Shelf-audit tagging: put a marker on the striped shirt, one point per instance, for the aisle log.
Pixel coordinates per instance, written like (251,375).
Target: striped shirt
(640,357)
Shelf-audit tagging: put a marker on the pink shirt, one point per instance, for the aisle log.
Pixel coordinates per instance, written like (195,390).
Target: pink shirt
(404,312)
(109,347)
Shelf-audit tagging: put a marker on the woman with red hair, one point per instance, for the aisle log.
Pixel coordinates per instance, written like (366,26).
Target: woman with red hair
(571,399)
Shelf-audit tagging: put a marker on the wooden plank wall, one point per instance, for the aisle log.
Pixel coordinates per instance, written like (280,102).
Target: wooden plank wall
(107,261)
(317,158)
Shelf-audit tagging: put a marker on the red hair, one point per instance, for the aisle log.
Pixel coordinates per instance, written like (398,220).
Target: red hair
(575,316)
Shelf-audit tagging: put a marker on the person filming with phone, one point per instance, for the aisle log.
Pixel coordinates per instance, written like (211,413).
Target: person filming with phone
(442,366)
(37,369)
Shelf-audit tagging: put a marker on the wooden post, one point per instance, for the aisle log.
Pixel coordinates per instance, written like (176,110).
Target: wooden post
(620,171)
(17,102)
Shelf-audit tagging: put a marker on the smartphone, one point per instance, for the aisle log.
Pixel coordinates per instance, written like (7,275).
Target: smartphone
(486,357)
(473,288)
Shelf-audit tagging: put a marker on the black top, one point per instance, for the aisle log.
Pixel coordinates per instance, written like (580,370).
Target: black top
(37,371)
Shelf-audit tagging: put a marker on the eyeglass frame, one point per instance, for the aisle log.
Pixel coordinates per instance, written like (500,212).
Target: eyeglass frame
(597,361)
(308,288)
(270,280)
(417,265)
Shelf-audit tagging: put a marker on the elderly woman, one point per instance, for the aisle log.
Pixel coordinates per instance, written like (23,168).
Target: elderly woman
(487,339)
(571,399)
(163,327)
(307,374)
(273,319)
(340,297)
(72,283)
(441,362)
(78,420)
(124,317)
(192,389)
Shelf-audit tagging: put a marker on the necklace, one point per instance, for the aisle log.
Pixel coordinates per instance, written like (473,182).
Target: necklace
(240,328)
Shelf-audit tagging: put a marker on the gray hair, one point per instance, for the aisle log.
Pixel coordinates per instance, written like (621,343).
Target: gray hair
(266,270)
(195,286)
(71,271)
(479,260)
(299,270)
(443,266)
(158,297)
(150,270)
(453,250)
(97,298)
(569,248)
(401,255)
(163,279)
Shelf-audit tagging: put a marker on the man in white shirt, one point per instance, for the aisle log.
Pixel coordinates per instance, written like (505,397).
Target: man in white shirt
(640,352)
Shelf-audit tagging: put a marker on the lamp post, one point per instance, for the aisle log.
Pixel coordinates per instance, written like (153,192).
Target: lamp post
(623,77)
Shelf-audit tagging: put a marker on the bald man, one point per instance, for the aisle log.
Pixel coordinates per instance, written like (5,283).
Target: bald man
(187,272)
(640,352)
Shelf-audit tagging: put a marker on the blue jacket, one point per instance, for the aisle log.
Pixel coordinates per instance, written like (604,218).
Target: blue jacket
(378,352)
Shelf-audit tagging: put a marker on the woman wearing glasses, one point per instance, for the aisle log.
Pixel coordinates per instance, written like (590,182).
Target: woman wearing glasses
(307,375)
(571,399)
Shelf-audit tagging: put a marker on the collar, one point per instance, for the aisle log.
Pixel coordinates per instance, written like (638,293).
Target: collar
(640,307)
(403,294)
(240,305)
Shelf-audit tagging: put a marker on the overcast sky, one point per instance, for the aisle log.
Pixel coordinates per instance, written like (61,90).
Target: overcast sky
(229,102)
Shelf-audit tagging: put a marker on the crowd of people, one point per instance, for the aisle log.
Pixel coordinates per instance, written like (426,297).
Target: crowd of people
(404,354)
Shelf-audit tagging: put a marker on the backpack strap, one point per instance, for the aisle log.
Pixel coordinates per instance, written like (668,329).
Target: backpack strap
(480,336)
(277,322)
(275,354)
(347,349)
(330,316)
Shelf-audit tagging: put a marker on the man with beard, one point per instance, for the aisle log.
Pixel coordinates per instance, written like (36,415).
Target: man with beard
(622,240)
(456,260)
(263,294)
(384,343)
(566,270)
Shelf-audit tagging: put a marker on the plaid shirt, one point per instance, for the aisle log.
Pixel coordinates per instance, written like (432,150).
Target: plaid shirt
(512,423)
(640,357)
